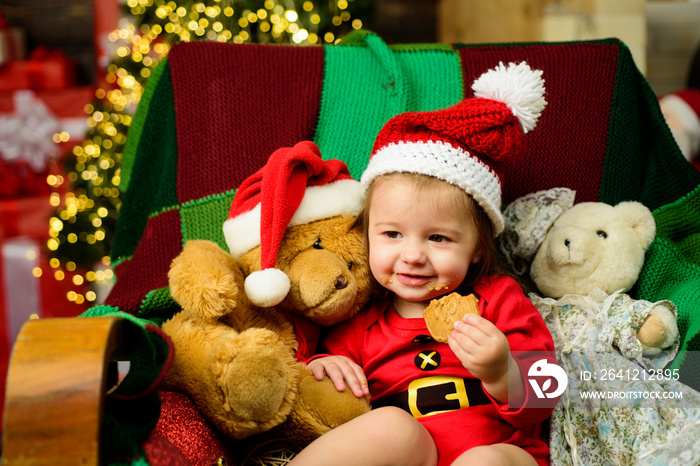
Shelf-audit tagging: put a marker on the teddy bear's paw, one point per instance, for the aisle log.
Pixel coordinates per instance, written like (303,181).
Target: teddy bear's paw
(205,280)
(257,377)
(321,407)
(659,330)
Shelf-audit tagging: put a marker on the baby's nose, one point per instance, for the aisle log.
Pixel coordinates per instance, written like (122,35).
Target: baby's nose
(413,253)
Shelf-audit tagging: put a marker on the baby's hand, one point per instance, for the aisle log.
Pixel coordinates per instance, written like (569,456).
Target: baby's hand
(481,347)
(343,372)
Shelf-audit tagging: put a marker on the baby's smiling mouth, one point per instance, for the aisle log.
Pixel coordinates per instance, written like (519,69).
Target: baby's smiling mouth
(413,280)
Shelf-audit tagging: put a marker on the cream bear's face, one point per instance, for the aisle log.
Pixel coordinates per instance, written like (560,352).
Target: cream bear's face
(326,262)
(594,245)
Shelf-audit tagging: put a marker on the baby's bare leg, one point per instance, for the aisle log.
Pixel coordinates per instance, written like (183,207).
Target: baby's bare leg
(382,437)
(496,455)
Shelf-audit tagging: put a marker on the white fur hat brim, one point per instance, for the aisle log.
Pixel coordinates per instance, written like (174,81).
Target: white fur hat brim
(340,198)
(441,160)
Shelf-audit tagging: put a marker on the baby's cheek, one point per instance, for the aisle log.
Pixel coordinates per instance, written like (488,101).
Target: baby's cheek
(379,264)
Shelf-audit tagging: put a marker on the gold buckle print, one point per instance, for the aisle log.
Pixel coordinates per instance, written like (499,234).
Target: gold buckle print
(460,393)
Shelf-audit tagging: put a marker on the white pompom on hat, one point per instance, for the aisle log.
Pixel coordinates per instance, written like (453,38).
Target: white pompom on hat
(296,186)
(464,144)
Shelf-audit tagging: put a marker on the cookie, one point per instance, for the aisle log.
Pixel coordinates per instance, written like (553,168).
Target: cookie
(441,314)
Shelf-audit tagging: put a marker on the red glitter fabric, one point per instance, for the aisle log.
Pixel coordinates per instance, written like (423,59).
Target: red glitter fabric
(184,437)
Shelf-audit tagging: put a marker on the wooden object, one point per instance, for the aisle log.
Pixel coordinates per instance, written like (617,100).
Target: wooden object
(475,21)
(55,391)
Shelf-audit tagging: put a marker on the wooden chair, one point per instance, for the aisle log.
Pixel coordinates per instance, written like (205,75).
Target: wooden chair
(211,115)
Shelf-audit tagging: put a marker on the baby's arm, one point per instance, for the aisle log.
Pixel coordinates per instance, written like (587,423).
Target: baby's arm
(342,371)
(485,353)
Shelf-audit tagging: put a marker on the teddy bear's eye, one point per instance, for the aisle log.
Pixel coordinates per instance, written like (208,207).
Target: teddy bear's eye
(317,244)
(602,234)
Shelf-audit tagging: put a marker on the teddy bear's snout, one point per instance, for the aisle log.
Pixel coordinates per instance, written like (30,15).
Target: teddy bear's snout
(322,281)
(341,283)
(566,247)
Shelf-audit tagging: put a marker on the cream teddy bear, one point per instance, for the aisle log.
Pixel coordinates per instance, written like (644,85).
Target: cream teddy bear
(595,246)
(583,259)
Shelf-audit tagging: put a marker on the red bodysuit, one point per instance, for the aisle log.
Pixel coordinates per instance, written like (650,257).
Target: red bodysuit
(405,367)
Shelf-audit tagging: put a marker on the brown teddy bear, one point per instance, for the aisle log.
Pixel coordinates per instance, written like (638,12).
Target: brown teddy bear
(249,319)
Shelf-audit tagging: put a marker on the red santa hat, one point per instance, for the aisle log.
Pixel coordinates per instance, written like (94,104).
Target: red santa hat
(465,144)
(295,187)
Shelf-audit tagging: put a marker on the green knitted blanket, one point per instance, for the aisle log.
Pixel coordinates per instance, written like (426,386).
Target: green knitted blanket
(212,113)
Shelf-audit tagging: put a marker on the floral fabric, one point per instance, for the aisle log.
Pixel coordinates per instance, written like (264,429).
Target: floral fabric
(638,421)
(527,220)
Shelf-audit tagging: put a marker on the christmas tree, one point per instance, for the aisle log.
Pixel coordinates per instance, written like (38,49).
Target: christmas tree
(82,229)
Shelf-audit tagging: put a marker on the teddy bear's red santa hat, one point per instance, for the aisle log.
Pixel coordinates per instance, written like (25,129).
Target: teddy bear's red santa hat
(295,187)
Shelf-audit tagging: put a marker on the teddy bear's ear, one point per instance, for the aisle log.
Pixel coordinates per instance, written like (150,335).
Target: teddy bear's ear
(640,219)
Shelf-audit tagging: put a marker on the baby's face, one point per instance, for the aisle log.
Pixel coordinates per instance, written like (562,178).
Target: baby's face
(420,245)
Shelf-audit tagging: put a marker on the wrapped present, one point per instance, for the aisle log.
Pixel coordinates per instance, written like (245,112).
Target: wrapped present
(18,179)
(26,217)
(51,69)
(31,288)
(44,69)
(15,75)
(29,122)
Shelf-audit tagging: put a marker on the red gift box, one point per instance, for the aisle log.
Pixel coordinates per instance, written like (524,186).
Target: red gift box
(27,217)
(44,69)
(30,120)
(19,179)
